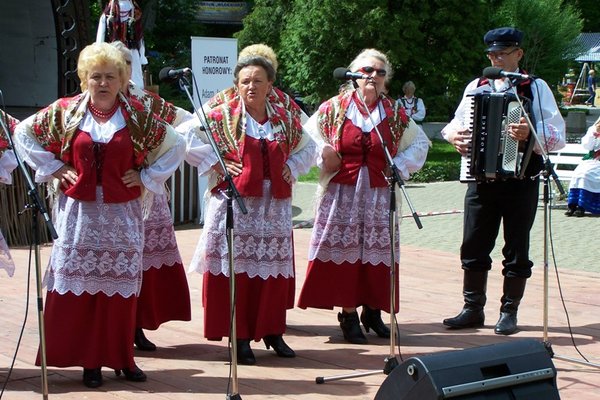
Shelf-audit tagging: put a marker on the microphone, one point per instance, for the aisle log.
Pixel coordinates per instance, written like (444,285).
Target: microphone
(170,73)
(344,73)
(499,73)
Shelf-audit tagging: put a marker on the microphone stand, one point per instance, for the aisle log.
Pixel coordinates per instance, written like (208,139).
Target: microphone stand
(230,194)
(394,179)
(36,205)
(546,173)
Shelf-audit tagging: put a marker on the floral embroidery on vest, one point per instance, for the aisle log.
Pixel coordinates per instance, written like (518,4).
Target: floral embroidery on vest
(55,125)
(332,114)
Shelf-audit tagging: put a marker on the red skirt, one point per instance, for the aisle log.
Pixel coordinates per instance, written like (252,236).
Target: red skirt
(89,331)
(328,285)
(261,306)
(165,296)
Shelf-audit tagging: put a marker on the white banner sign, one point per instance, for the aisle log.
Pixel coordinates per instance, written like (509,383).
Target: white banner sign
(213,62)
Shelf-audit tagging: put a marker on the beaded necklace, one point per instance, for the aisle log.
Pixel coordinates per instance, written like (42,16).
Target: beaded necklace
(103,114)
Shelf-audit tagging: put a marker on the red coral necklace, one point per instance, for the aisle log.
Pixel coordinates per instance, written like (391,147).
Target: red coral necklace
(103,114)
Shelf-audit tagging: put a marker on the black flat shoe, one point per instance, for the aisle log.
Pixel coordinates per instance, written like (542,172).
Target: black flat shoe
(134,375)
(92,377)
(580,212)
(280,347)
(245,356)
(142,342)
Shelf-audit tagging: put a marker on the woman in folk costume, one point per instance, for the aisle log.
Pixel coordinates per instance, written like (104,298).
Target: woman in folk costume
(413,106)
(122,21)
(584,189)
(165,294)
(350,242)
(8,163)
(265,150)
(104,149)
(276,94)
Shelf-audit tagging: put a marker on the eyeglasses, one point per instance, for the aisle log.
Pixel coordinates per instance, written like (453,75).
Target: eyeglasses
(369,70)
(500,55)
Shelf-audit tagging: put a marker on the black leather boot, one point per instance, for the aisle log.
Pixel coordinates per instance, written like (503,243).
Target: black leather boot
(142,342)
(279,345)
(514,288)
(245,355)
(92,377)
(371,319)
(134,374)
(351,327)
(474,289)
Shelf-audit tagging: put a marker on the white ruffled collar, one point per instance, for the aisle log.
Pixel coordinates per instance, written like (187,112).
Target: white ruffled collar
(102,133)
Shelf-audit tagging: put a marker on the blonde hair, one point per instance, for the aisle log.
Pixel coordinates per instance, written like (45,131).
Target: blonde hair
(261,50)
(97,54)
(378,55)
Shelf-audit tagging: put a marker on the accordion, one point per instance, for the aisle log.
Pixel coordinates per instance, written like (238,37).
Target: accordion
(493,154)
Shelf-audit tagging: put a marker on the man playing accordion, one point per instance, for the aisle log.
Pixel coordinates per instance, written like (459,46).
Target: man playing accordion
(510,201)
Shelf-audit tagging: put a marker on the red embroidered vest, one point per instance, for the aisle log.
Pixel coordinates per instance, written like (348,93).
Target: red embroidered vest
(261,159)
(358,149)
(99,164)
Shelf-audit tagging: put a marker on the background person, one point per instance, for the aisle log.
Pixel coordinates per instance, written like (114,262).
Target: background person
(165,294)
(413,106)
(584,189)
(8,163)
(591,86)
(350,242)
(512,202)
(261,140)
(103,149)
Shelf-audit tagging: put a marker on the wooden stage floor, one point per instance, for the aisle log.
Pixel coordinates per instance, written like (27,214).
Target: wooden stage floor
(186,366)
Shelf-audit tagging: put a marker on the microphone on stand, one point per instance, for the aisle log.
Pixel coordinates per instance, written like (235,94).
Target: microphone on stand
(168,74)
(345,74)
(499,73)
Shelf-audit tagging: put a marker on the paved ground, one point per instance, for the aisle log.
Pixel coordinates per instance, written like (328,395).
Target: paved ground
(441,205)
(187,367)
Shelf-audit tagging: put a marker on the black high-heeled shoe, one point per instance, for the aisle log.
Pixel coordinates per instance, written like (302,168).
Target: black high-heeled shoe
(280,347)
(351,327)
(92,377)
(371,319)
(245,356)
(134,375)
(142,342)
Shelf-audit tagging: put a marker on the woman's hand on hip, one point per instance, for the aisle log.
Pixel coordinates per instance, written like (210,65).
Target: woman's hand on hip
(331,159)
(66,175)
(132,178)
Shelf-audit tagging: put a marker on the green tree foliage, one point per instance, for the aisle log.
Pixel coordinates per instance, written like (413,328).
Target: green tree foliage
(427,41)
(590,13)
(550,29)
(264,23)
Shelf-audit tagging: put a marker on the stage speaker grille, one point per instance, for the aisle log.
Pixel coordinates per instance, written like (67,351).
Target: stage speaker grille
(516,370)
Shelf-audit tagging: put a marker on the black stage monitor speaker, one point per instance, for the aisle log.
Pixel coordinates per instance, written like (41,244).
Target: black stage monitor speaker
(517,370)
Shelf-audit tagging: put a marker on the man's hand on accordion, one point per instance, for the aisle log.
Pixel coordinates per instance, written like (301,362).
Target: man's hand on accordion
(460,140)
(519,131)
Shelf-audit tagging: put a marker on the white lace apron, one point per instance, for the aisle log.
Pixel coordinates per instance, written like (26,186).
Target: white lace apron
(99,247)
(352,224)
(160,244)
(262,238)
